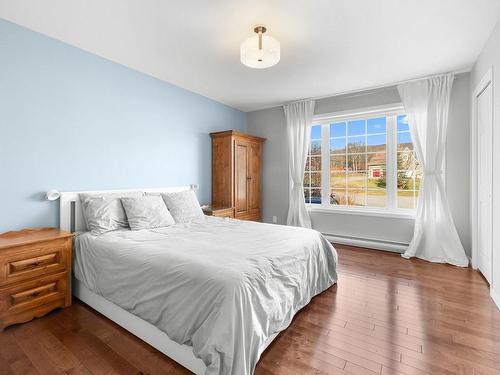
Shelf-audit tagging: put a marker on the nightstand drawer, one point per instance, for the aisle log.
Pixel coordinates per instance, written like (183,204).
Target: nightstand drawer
(224,213)
(29,295)
(21,264)
(218,211)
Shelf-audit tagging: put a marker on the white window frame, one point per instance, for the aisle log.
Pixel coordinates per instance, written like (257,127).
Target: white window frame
(391,210)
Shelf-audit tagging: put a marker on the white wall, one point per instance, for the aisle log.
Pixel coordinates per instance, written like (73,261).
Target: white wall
(490,57)
(270,123)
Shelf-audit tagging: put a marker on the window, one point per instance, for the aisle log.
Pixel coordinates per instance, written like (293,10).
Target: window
(408,173)
(358,162)
(312,177)
(362,161)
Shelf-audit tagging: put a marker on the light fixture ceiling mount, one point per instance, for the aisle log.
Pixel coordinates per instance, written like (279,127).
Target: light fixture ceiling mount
(260,51)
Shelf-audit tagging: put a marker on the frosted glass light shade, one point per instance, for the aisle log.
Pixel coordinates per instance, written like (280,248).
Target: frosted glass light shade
(253,57)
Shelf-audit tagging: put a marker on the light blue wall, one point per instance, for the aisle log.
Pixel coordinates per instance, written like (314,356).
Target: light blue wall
(70,120)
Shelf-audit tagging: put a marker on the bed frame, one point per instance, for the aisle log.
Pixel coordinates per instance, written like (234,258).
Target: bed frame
(71,219)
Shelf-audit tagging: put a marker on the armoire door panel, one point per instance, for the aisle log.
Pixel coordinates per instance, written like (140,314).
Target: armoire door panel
(222,172)
(254,182)
(241,177)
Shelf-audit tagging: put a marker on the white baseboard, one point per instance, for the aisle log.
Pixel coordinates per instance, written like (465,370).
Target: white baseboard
(371,243)
(495,297)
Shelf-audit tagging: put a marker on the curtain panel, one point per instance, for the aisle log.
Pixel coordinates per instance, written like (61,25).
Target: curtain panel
(435,237)
(298,129)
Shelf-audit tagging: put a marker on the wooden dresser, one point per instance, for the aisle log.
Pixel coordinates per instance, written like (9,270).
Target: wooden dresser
(35,273)
(236,173)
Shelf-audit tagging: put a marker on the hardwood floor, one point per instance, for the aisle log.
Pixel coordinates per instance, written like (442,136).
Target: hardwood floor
(387,315)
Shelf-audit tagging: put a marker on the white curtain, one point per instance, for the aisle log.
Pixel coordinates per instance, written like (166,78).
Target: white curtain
(298,130)
(435,237)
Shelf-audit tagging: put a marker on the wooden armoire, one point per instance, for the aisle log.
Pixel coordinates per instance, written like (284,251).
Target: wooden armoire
(236,173)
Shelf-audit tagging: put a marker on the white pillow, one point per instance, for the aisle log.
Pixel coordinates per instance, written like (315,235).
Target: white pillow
(183,206)
(147,212)
(104,212)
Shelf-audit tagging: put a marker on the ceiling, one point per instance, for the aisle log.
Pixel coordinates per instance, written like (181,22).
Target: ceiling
(327,46)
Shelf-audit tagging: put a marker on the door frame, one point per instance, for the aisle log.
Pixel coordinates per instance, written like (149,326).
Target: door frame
(486,81)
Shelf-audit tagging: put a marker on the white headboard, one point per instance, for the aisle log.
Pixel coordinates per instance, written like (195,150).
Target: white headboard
(70,212)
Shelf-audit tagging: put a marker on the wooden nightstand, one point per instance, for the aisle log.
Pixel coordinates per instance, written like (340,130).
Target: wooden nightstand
(218,211)
(35,273)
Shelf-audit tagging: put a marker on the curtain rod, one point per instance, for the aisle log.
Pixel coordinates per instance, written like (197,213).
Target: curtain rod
(361,92)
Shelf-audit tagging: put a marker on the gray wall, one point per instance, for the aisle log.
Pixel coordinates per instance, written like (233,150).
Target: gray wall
(270,123)
(458,158)
(490,57)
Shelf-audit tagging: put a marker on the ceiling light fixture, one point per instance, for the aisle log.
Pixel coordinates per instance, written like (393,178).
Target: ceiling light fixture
(260,51)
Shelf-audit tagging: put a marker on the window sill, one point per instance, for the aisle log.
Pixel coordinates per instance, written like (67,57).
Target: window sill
(397,214)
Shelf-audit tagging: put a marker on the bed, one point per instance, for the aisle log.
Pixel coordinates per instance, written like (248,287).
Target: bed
(211,294)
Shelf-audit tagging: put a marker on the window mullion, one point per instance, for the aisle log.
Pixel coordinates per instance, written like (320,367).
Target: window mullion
(325,164)
(391,177)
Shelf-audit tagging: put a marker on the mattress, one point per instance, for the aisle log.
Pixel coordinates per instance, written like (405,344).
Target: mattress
(222,286)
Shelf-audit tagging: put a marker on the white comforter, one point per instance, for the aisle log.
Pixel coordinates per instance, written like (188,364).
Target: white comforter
(223,286)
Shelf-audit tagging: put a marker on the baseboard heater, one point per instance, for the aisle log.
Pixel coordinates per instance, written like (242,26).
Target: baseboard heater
(372,243)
